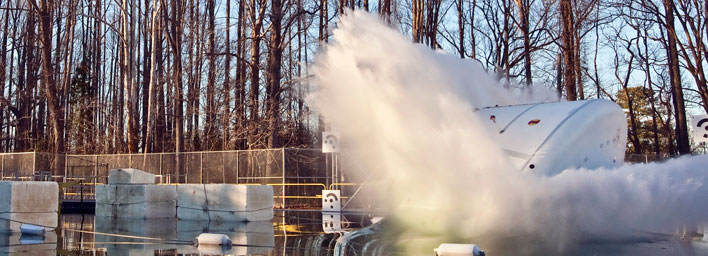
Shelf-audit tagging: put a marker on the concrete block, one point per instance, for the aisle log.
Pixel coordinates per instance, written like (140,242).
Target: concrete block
(224,202)
(131,194)
(28,196)
(147,210)
(136,201)
(130,176)
(13,221)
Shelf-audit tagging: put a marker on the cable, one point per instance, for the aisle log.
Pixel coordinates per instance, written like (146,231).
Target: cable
(230,211)
(206,199)
(165,241)
(22,222)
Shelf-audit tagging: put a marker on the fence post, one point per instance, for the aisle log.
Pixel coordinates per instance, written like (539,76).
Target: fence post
(201,167)
(238,166)
(161,154)
(2,167)
(95,170)
(223,168)
(282,156)
(66,166)
(34,162)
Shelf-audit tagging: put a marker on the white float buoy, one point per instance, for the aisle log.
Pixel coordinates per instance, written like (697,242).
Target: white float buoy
(213,239)
(31,229)
(458,250)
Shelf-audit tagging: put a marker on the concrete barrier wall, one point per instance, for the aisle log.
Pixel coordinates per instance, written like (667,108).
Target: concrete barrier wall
(30,202)
(136,201)
(224,202)
(216,202)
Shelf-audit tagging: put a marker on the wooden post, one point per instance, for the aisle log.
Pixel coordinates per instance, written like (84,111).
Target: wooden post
(201,167)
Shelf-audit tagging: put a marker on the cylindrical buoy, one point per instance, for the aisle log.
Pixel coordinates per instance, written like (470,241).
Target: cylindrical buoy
(31,229)
(214,239)
(458,250)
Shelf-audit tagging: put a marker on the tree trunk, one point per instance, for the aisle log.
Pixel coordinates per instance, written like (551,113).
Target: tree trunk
(274,69)
(154,28)
(241,78)
(175,36)
(524,11)
(417,15)
(209,124)
(568,50)
(682,142)
(131,117)
(226,115)
(257,19)
(461,27)
(50,87)
(3,69)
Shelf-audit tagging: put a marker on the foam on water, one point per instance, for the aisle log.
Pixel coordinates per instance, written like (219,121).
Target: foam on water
(406,115)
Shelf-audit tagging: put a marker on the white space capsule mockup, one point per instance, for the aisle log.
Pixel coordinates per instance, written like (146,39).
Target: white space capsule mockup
(547,138)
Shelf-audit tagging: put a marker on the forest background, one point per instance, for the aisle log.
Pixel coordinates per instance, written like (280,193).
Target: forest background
(129,76)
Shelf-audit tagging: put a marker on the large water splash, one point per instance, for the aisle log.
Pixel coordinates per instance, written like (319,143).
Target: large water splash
(406,115)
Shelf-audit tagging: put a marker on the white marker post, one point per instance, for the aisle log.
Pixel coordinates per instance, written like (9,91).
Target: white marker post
(699,124)
(331,215)
(330,144)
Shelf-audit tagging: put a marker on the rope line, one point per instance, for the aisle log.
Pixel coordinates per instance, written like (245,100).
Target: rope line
(215,210)
(26,212)
(30,223)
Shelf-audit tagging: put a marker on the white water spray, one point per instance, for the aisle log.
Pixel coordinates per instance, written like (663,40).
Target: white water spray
(406,115)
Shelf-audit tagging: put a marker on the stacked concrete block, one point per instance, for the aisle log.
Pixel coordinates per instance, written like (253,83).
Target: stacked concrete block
(132,193)
(136,201)
(224,202)
(130,176)
(29,202)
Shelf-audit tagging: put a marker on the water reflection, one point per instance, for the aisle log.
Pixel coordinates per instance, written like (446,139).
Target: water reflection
(16,243)
(294,233)
(290,233)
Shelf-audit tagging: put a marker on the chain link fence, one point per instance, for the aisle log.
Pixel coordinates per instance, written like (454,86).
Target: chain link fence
(646,158)
(298,176)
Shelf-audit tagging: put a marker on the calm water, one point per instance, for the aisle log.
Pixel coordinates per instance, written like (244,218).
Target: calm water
(291,233)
